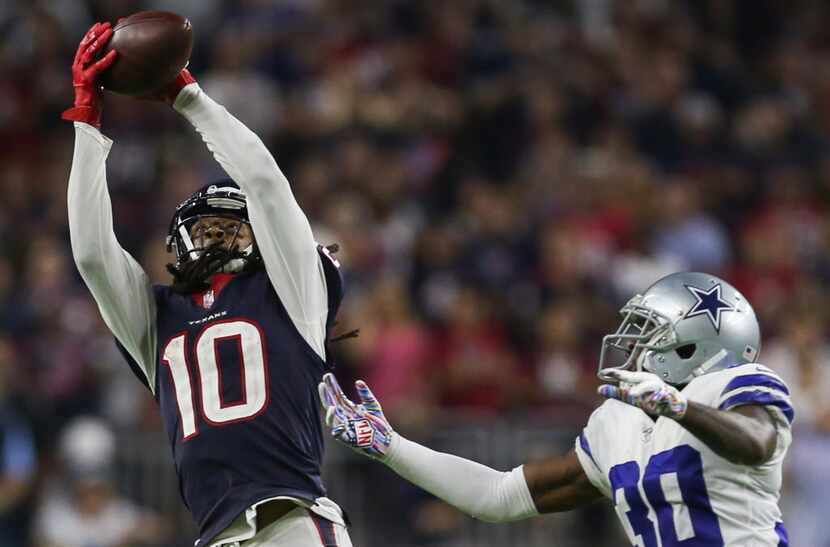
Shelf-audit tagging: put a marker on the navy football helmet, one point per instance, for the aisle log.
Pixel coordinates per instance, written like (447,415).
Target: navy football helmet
(223,198)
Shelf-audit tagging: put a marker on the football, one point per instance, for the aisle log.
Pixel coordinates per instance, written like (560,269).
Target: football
(152,46)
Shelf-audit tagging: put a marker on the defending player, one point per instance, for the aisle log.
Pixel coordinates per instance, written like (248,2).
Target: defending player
(689,447)
(234,349)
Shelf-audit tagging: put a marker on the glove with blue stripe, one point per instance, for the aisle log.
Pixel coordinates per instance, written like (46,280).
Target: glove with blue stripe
(362,427)
(645,391)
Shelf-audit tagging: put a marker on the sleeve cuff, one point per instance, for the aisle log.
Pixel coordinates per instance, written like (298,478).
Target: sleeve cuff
(523,497)
(761,397)
(94,133)
(186,101)
(391,456)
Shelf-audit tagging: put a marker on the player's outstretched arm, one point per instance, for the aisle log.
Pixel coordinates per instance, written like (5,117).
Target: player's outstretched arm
(282,231)
(118,284)
(744,435)
(556,484)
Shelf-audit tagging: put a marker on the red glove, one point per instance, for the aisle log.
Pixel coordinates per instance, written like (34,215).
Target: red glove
(169,92)
(85,70)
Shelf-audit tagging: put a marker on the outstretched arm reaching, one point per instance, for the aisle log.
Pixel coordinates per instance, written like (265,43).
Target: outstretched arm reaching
(555,484)
(282,231)
(118,284)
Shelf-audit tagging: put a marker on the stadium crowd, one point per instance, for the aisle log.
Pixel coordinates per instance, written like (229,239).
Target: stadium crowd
(500,176)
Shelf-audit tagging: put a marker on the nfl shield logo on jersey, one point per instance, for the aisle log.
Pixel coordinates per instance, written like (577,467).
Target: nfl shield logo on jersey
(208,298)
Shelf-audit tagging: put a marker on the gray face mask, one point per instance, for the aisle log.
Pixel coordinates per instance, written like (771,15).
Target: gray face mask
(643,330)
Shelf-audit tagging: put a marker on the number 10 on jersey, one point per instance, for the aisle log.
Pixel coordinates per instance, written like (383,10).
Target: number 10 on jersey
(215,410)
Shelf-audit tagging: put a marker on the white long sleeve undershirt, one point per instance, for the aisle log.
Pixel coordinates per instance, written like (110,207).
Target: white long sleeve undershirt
(124,292)
(281,228)
(475,489)
(120,286)
(117,282)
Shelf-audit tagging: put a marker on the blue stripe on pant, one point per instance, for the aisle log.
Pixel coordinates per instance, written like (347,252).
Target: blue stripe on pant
(783,539)
(326,530)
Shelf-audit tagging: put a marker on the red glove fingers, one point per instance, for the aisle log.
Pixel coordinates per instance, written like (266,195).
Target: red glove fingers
(96,46)
(92,41)
(100,65)
(88,37)
(87,107)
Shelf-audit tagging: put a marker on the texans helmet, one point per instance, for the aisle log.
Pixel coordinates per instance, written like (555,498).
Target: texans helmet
(223,198)
(684,325)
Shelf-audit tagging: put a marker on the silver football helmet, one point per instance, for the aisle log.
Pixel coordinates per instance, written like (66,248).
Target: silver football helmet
(684,325)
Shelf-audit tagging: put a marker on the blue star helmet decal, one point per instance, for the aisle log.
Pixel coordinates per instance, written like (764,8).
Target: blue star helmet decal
(709,303)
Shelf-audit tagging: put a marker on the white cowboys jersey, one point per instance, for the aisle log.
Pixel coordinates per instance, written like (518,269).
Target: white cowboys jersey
(669,489)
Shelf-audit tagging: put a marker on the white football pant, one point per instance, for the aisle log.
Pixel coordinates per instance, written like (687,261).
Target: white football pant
(301,528)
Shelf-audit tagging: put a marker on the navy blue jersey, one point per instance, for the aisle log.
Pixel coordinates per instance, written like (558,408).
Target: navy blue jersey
(237,388)
(234,376)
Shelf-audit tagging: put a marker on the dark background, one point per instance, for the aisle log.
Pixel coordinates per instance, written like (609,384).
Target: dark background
(501,176)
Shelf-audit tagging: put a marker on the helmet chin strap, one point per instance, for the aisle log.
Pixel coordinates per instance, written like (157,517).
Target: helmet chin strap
(236,265)
(716,359)
(642,362)
(712,362)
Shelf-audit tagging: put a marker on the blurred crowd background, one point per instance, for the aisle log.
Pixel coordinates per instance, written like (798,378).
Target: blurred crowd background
(501,175)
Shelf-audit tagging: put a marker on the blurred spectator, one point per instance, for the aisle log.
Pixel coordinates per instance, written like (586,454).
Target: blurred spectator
(685,233)
(476,369)
(563,371)
(18,455)
(90,513)
(802,357)
(394,352)
(501,177)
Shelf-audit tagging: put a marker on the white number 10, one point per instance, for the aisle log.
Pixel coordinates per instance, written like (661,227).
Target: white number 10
(254,381)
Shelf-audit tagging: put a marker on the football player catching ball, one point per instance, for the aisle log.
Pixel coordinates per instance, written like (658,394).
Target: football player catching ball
(234,349)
